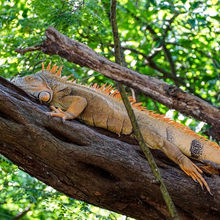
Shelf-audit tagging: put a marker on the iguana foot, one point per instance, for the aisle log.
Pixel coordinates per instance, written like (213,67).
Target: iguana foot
(58,112)
(193,171)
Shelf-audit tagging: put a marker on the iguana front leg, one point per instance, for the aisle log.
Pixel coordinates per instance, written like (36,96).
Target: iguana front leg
(75,106)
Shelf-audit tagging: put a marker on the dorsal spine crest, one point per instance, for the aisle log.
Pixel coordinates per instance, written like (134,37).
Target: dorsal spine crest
(111,91)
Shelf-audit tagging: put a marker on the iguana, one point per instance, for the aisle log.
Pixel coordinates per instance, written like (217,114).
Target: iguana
(102,107)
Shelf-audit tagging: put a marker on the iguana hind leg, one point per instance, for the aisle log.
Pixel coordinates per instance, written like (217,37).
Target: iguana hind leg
(185,163)
(173,152)
(75,106)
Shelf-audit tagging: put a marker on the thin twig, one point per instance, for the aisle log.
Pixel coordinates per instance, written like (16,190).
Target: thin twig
(139,137)
(198,50)
(178,80)
(23,213)
(28,49)
(162,42)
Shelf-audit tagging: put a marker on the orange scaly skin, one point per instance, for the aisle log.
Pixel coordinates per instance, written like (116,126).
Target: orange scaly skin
(101,107)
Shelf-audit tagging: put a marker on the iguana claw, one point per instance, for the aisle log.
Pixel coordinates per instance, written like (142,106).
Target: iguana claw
(58,112)
(193,171)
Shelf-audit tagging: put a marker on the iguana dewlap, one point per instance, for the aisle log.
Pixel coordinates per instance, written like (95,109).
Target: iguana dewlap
(101,107)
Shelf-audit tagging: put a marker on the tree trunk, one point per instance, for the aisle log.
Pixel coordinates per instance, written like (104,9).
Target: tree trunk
(94,165)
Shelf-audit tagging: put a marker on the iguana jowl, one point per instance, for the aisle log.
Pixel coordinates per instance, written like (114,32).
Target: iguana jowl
(101,107)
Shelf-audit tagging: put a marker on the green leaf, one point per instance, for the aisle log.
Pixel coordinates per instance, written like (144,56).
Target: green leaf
(192,22)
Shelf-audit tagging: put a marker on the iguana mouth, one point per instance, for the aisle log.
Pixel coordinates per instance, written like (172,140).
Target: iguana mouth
(45,96)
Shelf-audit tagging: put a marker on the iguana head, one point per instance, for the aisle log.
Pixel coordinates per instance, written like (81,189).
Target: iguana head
(35,85)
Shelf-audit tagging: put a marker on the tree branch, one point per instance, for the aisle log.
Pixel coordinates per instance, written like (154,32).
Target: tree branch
(216,62)
(170,60)
(20,215)
(29,49)
(154,66)
(95,165)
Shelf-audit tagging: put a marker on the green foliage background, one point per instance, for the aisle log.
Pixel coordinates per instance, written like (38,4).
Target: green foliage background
(177,41)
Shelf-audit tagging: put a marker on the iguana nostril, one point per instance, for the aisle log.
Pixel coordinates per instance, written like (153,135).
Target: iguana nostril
(44,96)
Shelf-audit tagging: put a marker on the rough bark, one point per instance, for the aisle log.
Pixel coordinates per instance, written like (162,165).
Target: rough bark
(93,165)
(171,96)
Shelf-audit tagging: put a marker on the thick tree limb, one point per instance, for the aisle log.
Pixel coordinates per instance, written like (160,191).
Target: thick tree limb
(171,96)
(94,165)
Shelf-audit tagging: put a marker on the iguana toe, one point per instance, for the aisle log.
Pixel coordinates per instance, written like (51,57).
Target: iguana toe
(194,172)
(58,112)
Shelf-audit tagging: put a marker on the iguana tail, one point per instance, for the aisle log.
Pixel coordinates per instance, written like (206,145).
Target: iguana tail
(209,152)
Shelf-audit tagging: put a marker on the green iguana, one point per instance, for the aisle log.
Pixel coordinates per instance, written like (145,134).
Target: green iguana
(102,107)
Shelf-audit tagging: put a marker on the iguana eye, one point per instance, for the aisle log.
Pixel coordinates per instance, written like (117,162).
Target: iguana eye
(44,96)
